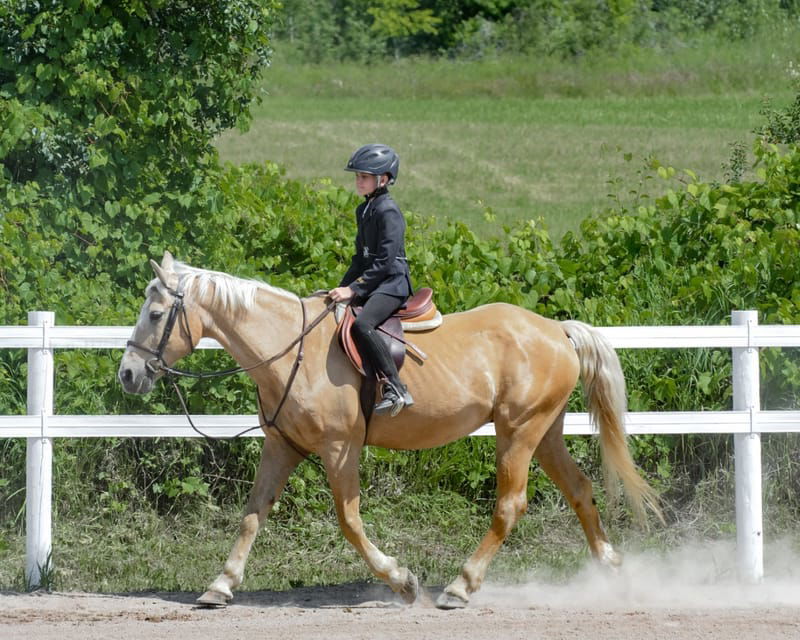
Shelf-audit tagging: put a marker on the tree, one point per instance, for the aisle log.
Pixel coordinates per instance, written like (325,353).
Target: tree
(108,110)
(397,19)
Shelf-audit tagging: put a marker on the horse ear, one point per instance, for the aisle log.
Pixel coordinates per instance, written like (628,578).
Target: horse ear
(160,273)
(165,271)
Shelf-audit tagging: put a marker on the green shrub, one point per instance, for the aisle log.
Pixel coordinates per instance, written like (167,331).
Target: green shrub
(783,126)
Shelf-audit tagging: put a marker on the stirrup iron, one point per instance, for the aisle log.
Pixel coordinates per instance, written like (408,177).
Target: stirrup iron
(393,400)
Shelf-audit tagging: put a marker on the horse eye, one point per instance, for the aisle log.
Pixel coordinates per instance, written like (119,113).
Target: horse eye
(155,316)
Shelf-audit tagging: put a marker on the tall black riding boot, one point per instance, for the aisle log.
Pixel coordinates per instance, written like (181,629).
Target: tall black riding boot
(395,395)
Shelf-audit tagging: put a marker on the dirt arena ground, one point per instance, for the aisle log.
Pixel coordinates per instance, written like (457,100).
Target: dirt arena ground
(369,611)
(689,593)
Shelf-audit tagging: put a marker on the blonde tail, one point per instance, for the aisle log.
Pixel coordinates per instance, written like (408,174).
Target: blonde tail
(604,391)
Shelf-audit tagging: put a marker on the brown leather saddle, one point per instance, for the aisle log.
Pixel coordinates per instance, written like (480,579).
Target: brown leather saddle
(419,309)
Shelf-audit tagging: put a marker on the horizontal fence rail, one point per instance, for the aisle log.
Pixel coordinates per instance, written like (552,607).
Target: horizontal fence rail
(220,426)
(745,422)
(633,337)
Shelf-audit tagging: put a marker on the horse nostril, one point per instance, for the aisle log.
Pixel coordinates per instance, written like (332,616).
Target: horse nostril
(126,376)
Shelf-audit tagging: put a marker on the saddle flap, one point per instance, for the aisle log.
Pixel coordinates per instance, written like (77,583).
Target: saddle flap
(346,338)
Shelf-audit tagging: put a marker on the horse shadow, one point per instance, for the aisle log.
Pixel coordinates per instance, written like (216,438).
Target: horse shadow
(349,595)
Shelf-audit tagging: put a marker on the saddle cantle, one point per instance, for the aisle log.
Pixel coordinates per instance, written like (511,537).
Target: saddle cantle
(418,314)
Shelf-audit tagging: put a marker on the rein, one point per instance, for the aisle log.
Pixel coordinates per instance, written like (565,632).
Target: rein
(178,309)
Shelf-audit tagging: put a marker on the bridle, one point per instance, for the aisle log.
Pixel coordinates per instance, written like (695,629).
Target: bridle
(156,363)
(177,309)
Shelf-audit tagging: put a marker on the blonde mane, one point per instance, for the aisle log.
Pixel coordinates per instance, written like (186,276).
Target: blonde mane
(231,293)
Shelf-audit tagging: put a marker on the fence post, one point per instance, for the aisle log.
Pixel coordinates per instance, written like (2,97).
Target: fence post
(747,447)
(39,456)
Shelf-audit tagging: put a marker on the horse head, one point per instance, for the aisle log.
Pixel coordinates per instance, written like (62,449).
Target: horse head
(163,332)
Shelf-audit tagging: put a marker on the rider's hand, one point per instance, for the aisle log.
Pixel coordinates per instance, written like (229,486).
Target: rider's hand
(341,294)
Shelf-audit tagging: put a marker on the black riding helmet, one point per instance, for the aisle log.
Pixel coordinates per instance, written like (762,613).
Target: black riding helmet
(375,159)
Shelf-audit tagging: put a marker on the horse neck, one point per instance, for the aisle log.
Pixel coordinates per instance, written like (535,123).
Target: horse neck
(258,333)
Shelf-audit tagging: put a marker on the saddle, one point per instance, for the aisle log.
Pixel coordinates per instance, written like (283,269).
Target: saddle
(418,314)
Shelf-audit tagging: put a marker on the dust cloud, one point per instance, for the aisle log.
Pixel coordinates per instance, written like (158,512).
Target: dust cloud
(698,576)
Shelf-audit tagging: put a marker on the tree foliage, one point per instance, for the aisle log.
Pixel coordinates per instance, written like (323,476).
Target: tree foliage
(783,125)
(396,19)
(107,113)
(474,28)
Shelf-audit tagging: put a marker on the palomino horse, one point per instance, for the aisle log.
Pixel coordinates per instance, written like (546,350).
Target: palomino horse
(497,363)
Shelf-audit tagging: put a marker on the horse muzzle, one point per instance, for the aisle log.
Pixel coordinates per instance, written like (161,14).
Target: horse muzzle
(136,375)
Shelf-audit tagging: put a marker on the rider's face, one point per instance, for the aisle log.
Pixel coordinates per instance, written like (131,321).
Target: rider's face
(366,183)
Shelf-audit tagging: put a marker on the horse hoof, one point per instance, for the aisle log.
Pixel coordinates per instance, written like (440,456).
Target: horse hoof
(609,559)
(213,600)
(410,590)
(448,601)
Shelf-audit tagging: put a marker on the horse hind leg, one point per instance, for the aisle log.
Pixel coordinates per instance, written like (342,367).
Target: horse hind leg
(556,462)
(278,460)
(513,461)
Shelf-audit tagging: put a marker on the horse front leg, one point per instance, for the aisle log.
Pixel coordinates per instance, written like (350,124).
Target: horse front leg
(341,464)
(278,460)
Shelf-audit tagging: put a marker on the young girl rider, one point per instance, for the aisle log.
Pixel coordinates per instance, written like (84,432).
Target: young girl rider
(378,276)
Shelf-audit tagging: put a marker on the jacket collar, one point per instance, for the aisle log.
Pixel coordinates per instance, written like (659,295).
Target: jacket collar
(375,194)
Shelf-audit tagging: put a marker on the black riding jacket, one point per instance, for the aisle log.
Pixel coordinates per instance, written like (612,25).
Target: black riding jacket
(379,264)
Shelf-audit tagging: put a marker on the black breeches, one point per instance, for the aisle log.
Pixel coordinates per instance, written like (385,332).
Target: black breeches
(377,308)
(374,352)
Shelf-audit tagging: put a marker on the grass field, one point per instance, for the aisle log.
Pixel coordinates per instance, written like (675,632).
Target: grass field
(432,534)
(519,138)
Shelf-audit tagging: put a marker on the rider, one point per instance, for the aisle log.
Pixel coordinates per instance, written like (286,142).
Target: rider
(378,276)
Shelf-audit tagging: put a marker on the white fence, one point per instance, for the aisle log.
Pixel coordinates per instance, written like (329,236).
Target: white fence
(746,421)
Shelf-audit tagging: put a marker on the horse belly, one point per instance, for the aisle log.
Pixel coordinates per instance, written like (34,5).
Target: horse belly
(453,396)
